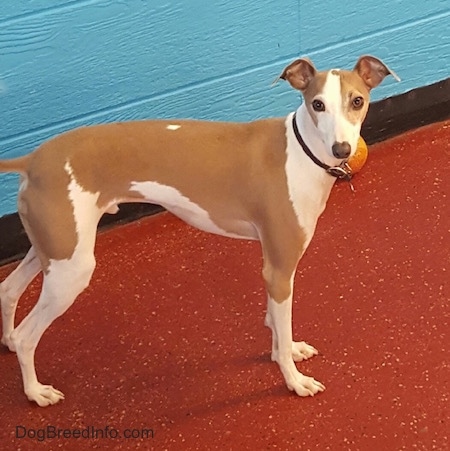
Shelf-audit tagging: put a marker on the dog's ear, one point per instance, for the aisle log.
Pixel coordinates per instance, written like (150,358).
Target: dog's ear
(299,73)
(372,70)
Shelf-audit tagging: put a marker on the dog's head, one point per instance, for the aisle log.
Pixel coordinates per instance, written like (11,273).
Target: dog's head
(337,100)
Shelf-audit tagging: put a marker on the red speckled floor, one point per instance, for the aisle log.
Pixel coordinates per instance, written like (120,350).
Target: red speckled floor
(170,335)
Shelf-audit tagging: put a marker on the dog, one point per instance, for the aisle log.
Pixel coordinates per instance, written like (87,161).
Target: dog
(266,180)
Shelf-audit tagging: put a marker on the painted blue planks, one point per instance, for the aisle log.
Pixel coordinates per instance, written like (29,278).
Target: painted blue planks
(67,63)
(328,23)
(20,9)
(109,53)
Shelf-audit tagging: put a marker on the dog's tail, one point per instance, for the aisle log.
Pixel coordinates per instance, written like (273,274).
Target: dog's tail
(19,165)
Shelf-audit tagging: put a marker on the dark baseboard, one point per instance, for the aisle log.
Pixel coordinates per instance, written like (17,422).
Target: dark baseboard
(398,114)
(386,118)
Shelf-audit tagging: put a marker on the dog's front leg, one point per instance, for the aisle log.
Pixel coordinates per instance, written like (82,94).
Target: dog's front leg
(280,263)
(300,349)
(279,318)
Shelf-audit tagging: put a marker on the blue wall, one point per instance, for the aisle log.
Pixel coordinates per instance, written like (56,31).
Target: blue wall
(64,63)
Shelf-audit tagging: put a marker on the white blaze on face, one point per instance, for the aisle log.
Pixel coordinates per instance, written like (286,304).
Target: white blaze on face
(333,124)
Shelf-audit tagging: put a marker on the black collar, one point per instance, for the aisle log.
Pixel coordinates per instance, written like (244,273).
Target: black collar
(343,171)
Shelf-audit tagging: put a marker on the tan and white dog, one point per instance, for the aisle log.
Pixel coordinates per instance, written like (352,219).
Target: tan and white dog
(243,180)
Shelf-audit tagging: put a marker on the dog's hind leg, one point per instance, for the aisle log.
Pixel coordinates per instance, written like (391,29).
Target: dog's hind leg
(60,218)
(68,263)
(12,288)
(63,282)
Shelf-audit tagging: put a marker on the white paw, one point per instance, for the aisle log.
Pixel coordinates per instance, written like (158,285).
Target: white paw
(44,395)
(304,385)
(302,351)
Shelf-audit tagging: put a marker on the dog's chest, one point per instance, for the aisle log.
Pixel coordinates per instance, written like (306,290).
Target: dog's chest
(308,187)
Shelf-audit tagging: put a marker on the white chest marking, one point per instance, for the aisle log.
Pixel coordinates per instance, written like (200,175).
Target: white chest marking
(309,186)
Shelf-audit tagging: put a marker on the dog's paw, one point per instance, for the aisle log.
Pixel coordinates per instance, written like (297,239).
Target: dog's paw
(44,395)
(305,385)
(302,351)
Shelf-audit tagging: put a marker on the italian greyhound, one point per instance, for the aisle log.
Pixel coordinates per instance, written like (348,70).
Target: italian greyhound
(266,180)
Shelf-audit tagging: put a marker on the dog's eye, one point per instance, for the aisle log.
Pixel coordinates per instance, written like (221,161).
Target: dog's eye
(358,103)
(318,105)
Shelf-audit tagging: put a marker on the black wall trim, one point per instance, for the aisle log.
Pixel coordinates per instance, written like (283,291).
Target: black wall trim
(386,118)
(398,114)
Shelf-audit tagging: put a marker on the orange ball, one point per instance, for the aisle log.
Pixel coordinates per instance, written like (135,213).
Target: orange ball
(357,161)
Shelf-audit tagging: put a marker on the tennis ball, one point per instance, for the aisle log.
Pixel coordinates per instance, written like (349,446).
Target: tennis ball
(357,161)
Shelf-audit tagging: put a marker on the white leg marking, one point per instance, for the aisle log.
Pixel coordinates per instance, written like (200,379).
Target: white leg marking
(280,320)
(12,288)
(62,284)
(300,349)
(269,323)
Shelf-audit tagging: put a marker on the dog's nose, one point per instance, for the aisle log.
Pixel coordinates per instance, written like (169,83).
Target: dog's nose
(341,150)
